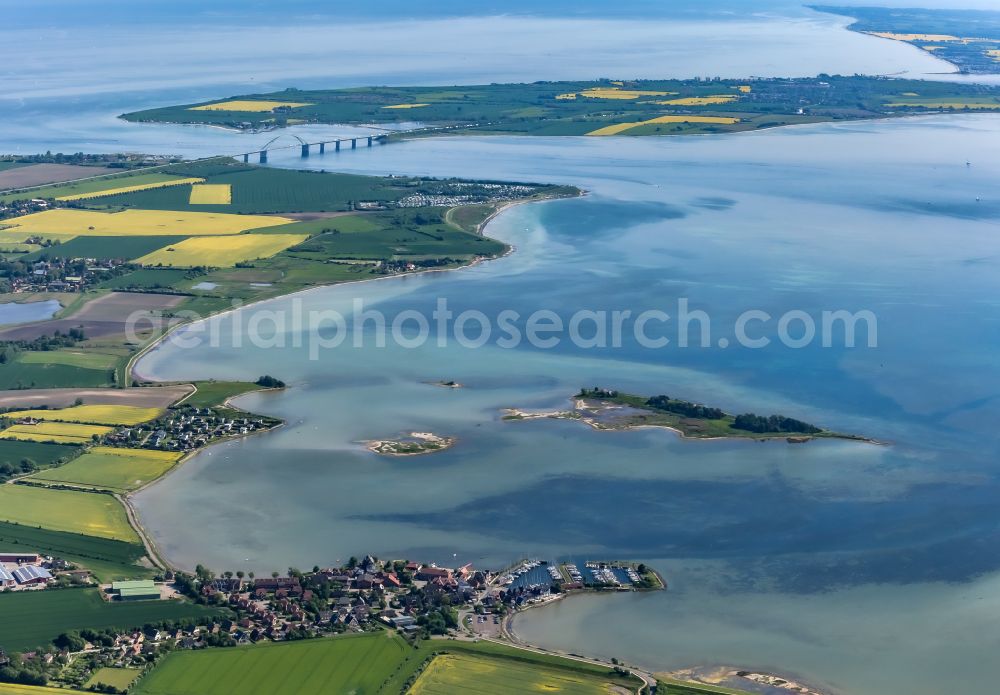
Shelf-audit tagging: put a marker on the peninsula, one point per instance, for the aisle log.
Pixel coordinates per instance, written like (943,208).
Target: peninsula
(598,108)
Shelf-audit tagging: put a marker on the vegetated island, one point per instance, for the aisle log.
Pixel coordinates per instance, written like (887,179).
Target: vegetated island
(606,409)
(601,107)
(413,444)
(968,39)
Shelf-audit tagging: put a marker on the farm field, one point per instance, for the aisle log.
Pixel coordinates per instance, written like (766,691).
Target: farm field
(148,397)
(41,174)
(83,180)
(109,559)
(34,618)
(355,664)
(16,689)
(620,128)
(211,194)
(107,468)
(65,221)
(86,513)
(103,247)
(460,674)
(141,182)
(58,432)
(223,251)
(26,374)
(397,234)
(120,678)
(12,452)
(93,414)
(215,393)
(245,105)
(71,358)
(150,278)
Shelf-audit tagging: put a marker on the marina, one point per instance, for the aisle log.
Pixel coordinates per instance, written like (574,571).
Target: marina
(544,576)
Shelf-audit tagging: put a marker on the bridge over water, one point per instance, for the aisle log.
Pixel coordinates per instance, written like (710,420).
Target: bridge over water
(306,147)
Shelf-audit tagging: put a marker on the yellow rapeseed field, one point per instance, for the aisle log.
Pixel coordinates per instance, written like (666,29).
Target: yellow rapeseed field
(93,414)
(569,95)
(129,189)
(61,432)
(211,194)
(616,93)
(221,251)
(622,127)
(745,88)
(700,101)
(65,510)
(139,454)
(995,55)
(913,37)
(405,106)
(252,106)
(64,221)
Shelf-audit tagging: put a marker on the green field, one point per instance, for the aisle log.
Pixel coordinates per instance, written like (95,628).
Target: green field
(120,678)
(107,469)
(34,618)
(43,454)
(109,559)
(214,393)
(148,278)
(356,664)
(85,359)
(373,663)
(87,513)
(21,374)
(458,674)
(469,217)
(126,247)
(399,234)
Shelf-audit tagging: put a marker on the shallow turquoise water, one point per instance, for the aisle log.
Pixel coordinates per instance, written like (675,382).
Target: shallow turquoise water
(775,553)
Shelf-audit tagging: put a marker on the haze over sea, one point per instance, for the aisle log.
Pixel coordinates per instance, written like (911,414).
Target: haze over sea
(861,568)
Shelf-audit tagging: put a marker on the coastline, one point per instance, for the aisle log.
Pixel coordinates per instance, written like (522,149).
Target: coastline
(508,635)
(132,372)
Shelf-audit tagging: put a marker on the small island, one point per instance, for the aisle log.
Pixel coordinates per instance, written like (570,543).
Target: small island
(606,409)
(448,384)
(412,444)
